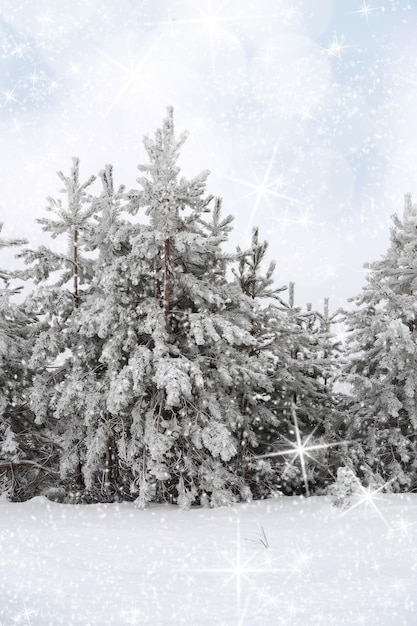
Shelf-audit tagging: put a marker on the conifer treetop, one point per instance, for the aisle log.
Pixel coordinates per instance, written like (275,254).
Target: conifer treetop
(162,194)
(72,216)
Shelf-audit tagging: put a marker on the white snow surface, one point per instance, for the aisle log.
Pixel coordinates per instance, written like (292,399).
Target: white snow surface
(289,561)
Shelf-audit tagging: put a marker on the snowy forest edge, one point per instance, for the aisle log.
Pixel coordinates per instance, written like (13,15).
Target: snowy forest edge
(145,363)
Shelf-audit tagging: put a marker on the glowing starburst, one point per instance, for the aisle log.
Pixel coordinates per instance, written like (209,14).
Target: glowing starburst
(301,449)
(330,270)
(334,48)
(264,188)
(306,115)
(376,566)
(366,10)
(8,96)
(58,590)
(368,496)
(34,77)
(301,565)
(25,616)
(133,73)
(18,50)
(292,609)
(403,528)
(304,220)
(398,585)
(240,572)
(266,597)
(340,333)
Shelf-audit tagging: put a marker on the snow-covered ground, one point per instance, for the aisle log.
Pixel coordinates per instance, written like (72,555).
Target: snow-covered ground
(287,561)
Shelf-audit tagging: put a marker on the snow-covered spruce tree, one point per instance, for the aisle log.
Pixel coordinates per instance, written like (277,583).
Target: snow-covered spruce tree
(303,399)
(321,402)
(382,363)
(25,453)
(267,324)
(174,337)
(63,278)
(106,329)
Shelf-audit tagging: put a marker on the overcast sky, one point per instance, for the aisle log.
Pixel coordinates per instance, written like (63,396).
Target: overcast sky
(303,111)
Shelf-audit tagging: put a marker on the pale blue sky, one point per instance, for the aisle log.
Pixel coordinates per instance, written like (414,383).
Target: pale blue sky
(303,111)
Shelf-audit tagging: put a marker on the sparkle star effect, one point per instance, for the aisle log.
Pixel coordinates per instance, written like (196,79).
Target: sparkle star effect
(301,450)
(303,219)
(368,496)
(58,590)
(334,48)
(240,570)
(18,50)
(25,616)
(133,73)
(301,565)
(403,528)
(340,333)
(366,10)
(34,77)
(264,189)
(8,96)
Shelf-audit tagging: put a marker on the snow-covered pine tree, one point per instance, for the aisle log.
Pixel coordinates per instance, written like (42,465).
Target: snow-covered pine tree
(25,453)
(267,323)
(322,370)
(107,328)
(63,279)
(382,363)
(210,324)
(174,337)
(303,397)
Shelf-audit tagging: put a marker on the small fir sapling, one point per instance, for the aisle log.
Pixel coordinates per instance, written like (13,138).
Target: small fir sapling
(345,488)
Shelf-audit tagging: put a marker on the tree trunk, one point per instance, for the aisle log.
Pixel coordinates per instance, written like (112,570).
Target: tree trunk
(111,468)
(158,289)
(167,284)
(75,270)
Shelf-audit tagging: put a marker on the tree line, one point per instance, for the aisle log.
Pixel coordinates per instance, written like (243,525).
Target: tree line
(145,363)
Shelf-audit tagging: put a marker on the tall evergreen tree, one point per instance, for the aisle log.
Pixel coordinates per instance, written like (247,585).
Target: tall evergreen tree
(300,447)
(382,364)
(267,328)
(63,278)
(25,452)
(172,339)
